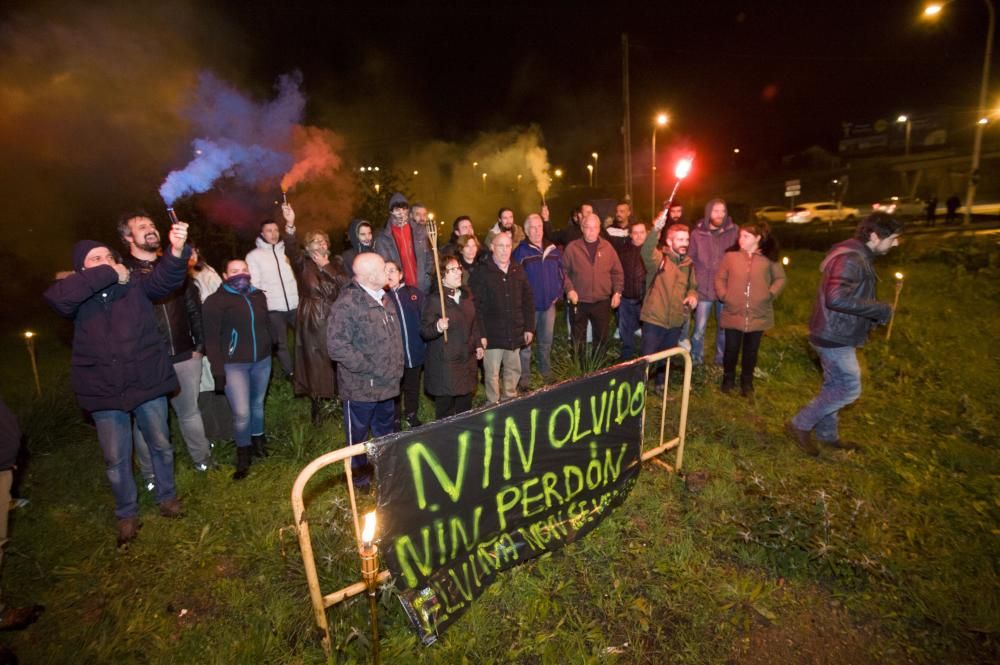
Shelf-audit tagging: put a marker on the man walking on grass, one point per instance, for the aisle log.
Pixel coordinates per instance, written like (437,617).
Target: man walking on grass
(844,314)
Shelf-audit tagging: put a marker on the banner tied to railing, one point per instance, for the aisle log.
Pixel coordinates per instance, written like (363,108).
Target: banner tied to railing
(461,499)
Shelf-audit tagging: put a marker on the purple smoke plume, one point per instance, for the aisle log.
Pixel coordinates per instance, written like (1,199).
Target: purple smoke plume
(242,139)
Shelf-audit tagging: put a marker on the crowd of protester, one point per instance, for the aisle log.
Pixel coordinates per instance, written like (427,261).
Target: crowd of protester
(375,326)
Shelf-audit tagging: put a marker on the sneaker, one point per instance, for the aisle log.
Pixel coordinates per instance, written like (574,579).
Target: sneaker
(841,444)
(128,529)
(802,439)
(171,508)
(412,421)
(16,618)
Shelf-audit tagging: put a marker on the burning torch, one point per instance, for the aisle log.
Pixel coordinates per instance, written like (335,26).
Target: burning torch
(369,572)
(895,304)
(29,340)
(681,171)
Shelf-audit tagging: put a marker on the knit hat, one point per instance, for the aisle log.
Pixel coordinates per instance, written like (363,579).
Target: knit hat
(80,251)
(398,199)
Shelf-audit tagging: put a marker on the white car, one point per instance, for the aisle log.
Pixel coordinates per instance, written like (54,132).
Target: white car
(770,214)
(823,211)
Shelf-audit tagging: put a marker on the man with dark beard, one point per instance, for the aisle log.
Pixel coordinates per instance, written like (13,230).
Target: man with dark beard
(846,311)
(178,317)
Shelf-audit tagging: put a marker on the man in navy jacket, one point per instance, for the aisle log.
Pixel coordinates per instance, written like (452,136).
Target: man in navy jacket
(120,365)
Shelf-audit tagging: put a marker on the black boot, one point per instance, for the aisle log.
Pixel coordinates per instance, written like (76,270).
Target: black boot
(259,445)
(746,386)
(317,412)
(242,462)
(728,383)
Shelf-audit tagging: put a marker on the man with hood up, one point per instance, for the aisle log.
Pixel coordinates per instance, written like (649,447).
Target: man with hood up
(361,235)
(406,244)
(711,237)
(271,272)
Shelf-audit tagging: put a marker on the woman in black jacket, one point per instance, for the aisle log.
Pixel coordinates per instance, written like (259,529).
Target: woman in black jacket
(238,343)
(451,370)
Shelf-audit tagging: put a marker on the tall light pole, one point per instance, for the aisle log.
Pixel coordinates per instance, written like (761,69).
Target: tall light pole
(905,120)
(484,183)
(594,155)
(590,174)
(661,121)
(931,11)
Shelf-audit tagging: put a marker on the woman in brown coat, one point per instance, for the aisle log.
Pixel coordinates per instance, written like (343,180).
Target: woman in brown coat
(749,279)
(320,280)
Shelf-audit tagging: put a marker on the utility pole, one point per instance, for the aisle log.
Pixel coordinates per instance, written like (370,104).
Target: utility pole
(627,122)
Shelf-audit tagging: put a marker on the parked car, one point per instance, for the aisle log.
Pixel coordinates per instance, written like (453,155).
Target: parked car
(823,211)
(906,207)
(770,214)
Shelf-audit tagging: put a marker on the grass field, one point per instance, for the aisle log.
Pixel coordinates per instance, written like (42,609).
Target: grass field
(885,555)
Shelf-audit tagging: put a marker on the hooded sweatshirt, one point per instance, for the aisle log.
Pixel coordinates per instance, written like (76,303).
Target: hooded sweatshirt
(357,247)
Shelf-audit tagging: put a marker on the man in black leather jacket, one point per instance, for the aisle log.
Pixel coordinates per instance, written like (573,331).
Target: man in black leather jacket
(845,312)
(178,318)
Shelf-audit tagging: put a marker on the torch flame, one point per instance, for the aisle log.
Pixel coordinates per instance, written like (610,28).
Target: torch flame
(368,532)
(683,168)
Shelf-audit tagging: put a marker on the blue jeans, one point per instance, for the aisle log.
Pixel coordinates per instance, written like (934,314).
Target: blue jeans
(841,386)
(545,322)
(114,431)
(657,338)
(705,307)
(185,405)
(246,388)
(628,325)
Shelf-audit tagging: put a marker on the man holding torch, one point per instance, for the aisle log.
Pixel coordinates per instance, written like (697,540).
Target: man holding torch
(120,364)
(845,312)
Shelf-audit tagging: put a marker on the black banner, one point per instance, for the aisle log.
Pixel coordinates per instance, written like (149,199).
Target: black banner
(461,499)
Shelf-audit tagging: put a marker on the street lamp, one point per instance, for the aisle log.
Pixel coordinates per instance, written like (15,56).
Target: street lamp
(905,120)
(931,11)
(484,183)
(590,174)
(661,121)
(594,155)
(559,173)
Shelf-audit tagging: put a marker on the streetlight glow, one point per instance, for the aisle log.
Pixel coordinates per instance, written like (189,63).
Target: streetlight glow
(416,173)
(932,10)
(594,155)
(902,118)
(983,121)
(736,151)
(559,173)
(28,334)
(662,119)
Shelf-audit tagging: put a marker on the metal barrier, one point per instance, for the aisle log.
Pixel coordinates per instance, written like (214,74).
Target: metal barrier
(321,602)
(678,441)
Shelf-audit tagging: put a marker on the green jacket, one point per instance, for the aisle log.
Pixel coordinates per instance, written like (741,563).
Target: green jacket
(669,280)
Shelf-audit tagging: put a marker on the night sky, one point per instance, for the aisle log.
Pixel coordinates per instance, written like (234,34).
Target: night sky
(93,95)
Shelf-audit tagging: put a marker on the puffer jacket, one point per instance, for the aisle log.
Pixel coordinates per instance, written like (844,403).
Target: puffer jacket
(595,280)
(178,316)
(504,304)
(846,308)
(708,246)
(451,367)
(236,330)
(747,285)
(271,272)
(671,279)
(364,338)
(119,358)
